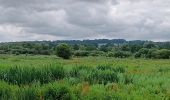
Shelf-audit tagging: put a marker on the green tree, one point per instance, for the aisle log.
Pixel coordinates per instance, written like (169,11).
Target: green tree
(162,54)
(125,47)
(63,50)
(121,54)
(150,45)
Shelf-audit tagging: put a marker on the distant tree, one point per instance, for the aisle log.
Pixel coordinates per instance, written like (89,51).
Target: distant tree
(81,53)
(2,52)
(150,45)
(142,53)
(135,48)
(97,53)
(63,50)
(151,53)
(104,48)
(137,55)
(125,47)
(121,54)
(110,54)
(162,54)
(76,47)
(90,47)
(82,47)
(17,53)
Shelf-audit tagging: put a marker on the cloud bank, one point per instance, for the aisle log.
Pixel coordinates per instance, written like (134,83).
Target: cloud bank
(22,20)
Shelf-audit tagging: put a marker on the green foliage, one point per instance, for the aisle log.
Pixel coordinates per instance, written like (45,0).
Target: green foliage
(87,78)
(29,92)
(76,47)
(153,53)
(26,75)
(90,47)
(98,92)
(6,92)
(125,47)
(150,45)
(97,53)
(102,76)
(162,54)
(63,50)
(99,74)
(81,53)
(121,54)
(104,48)
(57,92)
(118,48)
(110,54)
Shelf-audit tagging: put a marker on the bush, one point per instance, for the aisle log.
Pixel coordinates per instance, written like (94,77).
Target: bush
(64,51)
(81,53)
(110,54)
(153,53)
(162,54)
(137,55)
(57,92)
(142,53)
(96,53)
(2,52)
(17,53)
(121,54)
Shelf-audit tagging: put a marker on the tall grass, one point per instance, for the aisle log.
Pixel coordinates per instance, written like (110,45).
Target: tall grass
(102,74)
(120,79)
(26,75)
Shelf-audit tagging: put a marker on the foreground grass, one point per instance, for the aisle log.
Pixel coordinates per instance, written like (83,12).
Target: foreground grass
(89,78)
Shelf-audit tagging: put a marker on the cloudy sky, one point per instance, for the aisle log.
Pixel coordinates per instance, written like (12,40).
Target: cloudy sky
(23,20)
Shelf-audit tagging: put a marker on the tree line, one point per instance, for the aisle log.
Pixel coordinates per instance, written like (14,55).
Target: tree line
(118,48)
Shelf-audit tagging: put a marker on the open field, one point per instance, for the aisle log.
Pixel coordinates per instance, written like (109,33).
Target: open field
(87,78)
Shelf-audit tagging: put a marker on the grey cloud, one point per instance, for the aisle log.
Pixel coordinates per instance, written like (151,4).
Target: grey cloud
(78,19)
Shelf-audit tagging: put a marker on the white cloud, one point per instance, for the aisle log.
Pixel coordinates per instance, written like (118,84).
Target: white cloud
(77,19)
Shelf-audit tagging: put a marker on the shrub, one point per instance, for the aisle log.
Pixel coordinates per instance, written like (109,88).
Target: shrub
(64,51)
(2,52)
(137,55)
(81,53)
(121,54)
(153,53)
(162,54)
(142,53)
(17,53)
(57,92)
(96,53)
(110,54)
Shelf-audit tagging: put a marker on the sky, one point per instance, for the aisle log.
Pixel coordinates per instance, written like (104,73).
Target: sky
(28,20)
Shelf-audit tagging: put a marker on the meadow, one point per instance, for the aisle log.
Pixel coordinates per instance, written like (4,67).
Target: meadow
(85,78)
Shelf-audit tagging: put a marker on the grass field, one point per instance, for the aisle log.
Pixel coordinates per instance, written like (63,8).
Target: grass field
(89,78)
